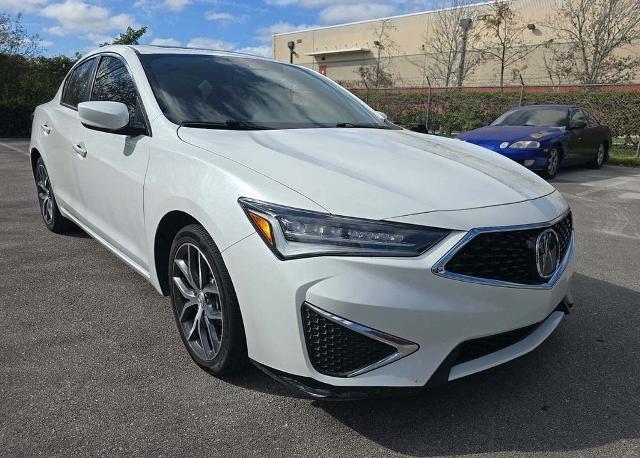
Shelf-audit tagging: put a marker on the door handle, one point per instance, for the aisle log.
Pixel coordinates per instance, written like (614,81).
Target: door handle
(46,129)
(80,149)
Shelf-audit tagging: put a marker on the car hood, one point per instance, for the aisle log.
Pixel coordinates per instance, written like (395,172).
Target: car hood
(499,134)
(373,173)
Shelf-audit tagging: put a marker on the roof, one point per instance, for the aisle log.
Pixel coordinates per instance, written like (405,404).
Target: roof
(155,49)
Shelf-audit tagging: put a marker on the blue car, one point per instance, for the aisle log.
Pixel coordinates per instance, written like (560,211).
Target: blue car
(545,137)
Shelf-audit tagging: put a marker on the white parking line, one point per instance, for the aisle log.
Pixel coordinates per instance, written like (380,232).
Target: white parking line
(15,148)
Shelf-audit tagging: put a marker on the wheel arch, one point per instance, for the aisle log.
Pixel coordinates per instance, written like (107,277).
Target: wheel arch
(167,228)
(34,155)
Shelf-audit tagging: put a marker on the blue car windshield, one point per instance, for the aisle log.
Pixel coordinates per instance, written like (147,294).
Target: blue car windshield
(541,117)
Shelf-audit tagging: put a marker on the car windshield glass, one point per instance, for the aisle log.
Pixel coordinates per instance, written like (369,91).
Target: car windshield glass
(235,92)
(543,117)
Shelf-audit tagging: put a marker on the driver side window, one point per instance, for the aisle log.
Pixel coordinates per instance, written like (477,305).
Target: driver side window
(113,83)
(578,119)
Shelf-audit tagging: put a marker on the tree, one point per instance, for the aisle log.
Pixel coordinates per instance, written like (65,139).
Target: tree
(503,37)
(380,74)
(444,43)
(14,38)
(596,32)
(130,36)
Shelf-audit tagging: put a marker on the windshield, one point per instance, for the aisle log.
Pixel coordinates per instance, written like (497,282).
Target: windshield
(244,93)
(538,116)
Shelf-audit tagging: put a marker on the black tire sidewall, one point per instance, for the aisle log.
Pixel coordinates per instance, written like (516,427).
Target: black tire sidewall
(232,353)
(58,222)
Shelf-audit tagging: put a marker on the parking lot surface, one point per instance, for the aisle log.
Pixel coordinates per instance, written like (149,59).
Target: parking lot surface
(91,362)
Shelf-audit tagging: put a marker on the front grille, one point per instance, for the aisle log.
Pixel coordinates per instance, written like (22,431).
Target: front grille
(507,256)
(336,350)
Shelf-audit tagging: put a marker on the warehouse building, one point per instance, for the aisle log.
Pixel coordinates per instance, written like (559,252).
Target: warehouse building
(406,53)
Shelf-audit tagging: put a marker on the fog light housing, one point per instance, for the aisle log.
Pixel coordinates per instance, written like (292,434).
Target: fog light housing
(529,162)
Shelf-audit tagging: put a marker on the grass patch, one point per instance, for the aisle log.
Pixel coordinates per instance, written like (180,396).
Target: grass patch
(624,155)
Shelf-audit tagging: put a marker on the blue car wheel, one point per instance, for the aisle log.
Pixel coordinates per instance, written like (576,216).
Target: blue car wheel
(553,163)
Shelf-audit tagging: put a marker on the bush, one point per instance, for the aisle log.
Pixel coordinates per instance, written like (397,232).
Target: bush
(459,111)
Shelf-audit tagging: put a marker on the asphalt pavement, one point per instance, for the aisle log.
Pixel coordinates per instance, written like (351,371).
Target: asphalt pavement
(91,362)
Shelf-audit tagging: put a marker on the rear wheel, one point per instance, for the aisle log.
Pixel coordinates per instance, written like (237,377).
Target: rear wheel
(553,163)
(600,157)
(49,210)
(205,304)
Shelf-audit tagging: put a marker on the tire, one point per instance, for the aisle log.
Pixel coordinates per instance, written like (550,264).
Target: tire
(553,163)
(600,157)
(49,210)
(204,303)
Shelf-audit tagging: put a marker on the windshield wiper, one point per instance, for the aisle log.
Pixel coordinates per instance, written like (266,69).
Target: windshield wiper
(229,124)
(355,125)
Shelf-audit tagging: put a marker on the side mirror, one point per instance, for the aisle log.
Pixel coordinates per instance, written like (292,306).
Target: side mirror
(382,115)
(105,116)
(578,125)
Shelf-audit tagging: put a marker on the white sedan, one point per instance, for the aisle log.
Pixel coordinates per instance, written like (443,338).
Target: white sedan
(295,227)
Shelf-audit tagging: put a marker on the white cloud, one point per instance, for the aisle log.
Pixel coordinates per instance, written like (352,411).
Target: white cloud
(264,34)
(340,13)
(165,42)
(171,5)
(76,16)
(176,5)
(224,18)
(17,6)
(211,43)
(263,51)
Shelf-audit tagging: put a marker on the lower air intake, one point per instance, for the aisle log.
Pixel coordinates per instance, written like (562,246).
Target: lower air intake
(336,350)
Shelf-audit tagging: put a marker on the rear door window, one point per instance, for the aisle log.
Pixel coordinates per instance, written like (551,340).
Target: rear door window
(78,84)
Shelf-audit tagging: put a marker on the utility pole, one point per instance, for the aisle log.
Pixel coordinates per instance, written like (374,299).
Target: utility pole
(466,25)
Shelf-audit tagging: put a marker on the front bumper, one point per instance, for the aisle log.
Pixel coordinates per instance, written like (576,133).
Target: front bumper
(533,159)
(399,297)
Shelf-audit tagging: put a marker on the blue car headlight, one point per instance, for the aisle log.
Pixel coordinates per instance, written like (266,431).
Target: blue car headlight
(525,144)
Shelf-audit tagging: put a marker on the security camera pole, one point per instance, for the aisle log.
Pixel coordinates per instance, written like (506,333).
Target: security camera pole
(465,24)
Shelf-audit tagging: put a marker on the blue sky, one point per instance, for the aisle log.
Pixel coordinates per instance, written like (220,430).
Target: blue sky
(67,26)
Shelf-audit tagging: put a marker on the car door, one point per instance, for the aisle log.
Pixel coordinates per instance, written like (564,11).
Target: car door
(112,167)
(597,134)
(580,137)
(60,131)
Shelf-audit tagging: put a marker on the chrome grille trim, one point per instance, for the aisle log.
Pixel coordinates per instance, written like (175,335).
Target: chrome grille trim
(440,270)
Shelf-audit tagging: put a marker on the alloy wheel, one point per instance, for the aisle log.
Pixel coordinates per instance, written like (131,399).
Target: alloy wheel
(552,162)
(198,302)
(45,195)
(601,154)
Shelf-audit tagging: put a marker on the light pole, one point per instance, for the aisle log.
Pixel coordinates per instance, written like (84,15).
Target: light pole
(465,24)
(291,45)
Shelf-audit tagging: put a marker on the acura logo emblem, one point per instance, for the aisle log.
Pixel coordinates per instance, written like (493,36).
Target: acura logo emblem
(547,253)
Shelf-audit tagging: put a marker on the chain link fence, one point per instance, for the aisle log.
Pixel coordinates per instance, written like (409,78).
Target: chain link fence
(450,111)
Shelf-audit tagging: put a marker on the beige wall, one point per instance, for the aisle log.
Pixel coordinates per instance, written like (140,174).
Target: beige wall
(409,58)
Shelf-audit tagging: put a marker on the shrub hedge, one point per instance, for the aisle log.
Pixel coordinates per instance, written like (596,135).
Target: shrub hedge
(458,111)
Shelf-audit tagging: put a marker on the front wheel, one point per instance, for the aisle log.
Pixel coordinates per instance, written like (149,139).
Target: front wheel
(553,163)
(600,157)
(205,304)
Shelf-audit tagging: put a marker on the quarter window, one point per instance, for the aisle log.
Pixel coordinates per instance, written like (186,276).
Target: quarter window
(79,84)
(113,83)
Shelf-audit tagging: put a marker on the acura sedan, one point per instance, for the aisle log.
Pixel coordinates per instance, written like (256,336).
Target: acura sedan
(295,228)
(545,137)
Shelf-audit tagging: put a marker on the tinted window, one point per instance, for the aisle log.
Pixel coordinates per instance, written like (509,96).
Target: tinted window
(578,117)
(591,121)
(113,83)
(78,84)
(540,116)
(219,89)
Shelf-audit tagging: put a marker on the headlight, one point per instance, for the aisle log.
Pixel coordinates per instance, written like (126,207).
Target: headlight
(293,233)
(525,144)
